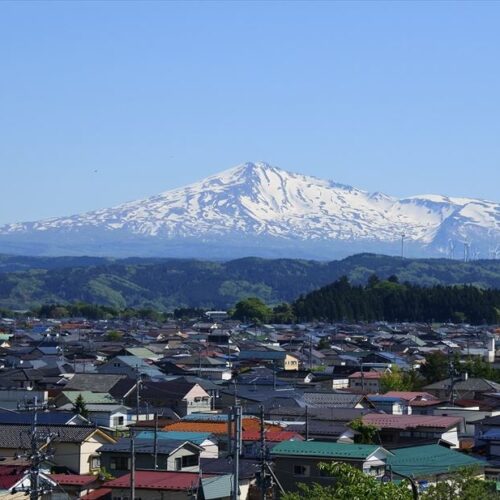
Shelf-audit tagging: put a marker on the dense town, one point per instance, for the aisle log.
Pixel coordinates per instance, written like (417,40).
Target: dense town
(213,408)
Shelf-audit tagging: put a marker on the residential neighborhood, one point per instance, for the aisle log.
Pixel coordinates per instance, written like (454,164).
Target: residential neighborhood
(190,408)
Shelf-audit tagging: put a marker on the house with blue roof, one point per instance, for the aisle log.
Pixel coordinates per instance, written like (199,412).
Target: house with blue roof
(205,440)
(390,404)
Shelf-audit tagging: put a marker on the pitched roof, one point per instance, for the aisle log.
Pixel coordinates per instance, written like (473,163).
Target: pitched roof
(216,487)
(428,460)
(471,384)
(332,399)
(164,447)
(18,436)
(90,397)
(97,382)
(271,437)
(383,421)
(73,479)
(156,480)
(325,449)
(366,375)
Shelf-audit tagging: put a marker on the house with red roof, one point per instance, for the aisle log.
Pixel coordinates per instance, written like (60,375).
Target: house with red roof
(151,485)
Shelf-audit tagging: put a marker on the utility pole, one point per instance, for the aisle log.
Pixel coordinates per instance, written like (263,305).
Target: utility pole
(262,454)
(237,452)
(132,464)
(137,394)
(307,423)
(35,455)
(155,443)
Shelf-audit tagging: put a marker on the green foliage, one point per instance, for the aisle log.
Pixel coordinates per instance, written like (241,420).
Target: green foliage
(367,433)
(392,301)
(397,380)
(435,367)
(79,407)
(350,483)
(283,313)
(166,284)
(114,335)
(252,309)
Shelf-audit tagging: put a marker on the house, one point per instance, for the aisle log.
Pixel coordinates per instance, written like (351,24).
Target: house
(430,463)
(279,359)
(109,416)
(130,366)
(172,455)
(74,448)
(487,436)
(69,398)
(95,382)
(365,381)
(75,485)
(419,403)
(395,430)
(251,441)
(390,404)
(297,461)
(182,396)
(208,443)
(470,388)
(151,485)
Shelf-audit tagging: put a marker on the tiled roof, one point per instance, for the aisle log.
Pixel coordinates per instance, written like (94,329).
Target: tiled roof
(383,421)
(272,437)
(90,397)
(18,436)
(428,460)
(194,437)
(324,449)
(92,381)
(73,479)
(411,395)
(367,375)
(158,480)
(217,427)
(164,447)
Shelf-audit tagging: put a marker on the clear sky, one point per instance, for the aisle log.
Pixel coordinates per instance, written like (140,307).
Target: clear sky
(102,103)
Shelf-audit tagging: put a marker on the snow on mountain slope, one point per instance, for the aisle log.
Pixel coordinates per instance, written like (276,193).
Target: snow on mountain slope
(256,200)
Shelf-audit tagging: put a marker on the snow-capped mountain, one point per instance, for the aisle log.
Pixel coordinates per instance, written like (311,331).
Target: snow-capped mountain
(257,209)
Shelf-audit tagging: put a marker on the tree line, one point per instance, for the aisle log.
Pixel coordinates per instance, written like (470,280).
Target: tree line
(390,300)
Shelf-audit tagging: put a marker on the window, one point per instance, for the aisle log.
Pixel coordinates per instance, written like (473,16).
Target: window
(301,470)
(95,462)
(189,461)
(119,463)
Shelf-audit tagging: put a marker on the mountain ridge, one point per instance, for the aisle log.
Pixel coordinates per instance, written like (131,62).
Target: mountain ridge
(255,208)
(165,284)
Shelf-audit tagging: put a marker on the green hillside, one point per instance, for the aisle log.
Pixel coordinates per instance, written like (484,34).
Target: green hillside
(169,283)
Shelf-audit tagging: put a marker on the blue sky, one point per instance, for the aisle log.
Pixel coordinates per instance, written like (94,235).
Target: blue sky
(102,103)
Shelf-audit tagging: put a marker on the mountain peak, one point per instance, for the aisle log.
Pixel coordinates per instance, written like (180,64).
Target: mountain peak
(255,206)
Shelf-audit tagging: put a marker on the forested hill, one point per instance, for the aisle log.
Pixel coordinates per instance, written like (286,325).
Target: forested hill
(393,301)
(169,283)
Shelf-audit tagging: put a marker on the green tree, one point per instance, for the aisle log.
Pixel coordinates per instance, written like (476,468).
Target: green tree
(252,309)
(350,483)
(397,380)
(114,335)
(366,433)
(283,313)
(79,407)
(435,367)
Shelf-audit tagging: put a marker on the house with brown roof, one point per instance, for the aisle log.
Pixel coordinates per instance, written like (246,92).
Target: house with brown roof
(395,430)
